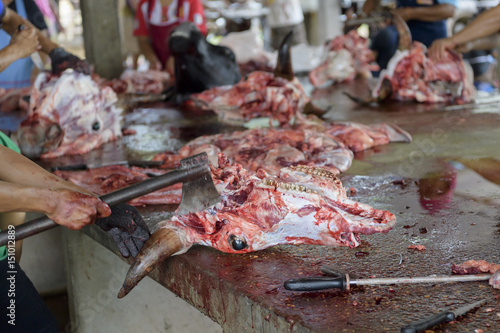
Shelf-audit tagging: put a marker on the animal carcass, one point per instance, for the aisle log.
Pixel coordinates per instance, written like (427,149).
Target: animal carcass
(277,96)
(412,76)
(70,114)
(13,99)
(139,82)
(348,56)
(301,205)
(259,95)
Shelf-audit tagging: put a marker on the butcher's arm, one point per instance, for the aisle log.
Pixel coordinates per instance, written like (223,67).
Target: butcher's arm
(486,24)
(426,13)
(11,23)
(148,52)
(485,43)
(24,186)
(15,168)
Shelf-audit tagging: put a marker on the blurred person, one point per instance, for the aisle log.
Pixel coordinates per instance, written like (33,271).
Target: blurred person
(22,31)
(285,16)
(155,20)
(426,20)
(19,73)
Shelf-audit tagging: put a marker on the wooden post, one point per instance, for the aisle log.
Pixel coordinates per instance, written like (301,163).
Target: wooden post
(101,33)
(329,25)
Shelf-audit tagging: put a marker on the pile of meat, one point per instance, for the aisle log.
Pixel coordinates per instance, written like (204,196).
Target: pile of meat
(138,82)
(68,114)
(12,99)
(413,76)
(329,146)
(259,95)
(348,56)
(299,205)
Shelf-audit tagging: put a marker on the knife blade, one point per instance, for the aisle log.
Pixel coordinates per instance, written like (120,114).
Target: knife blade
(441,317)
(94,165)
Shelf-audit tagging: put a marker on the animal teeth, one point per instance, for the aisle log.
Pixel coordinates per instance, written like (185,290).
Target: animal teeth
(315,171)
(286,186)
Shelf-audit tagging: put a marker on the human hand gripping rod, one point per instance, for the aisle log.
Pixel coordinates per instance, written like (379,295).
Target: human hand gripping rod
(198,193)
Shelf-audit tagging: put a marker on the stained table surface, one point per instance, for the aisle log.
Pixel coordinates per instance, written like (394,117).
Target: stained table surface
(444,189)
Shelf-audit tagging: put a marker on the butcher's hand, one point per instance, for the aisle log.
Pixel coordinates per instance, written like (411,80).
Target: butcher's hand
(73,209)
(62,60)
(437,50)
(127,228)
(25,42)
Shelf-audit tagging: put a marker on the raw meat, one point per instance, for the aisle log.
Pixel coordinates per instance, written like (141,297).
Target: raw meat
(70,114)
(260,94)
(348,55)
(478,267)
(301,205)
(12,99)
(270,149)
(139,82)
(414,76)
(358,137)
(111,178)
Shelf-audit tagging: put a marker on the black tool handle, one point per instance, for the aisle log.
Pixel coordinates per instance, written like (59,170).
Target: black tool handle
(120,196)
(428,322)
(316,283)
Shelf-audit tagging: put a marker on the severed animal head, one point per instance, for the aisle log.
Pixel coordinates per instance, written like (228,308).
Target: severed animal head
(200,65)
(68,114)
(303,205)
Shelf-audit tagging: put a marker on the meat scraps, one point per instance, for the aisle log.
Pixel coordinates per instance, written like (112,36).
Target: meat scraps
(138,82)
(108,179)
(478,267)
(260,94)
(68,115)
(12,99)
(300,205)
(348,55)
(413,76)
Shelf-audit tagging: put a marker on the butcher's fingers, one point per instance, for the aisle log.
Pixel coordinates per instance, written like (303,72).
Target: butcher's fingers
(439,47)
(25,42)
(74,210)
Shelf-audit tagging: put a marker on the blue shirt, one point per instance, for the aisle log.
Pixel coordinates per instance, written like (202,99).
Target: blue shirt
(2,11)
(423,31)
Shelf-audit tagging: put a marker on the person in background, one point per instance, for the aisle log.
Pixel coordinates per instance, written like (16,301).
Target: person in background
(285,16)
(426,20)
(155,20)
(20,28)
(481,34)
(19,73)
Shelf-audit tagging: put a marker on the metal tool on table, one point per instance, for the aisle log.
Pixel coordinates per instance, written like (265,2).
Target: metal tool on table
(438,318)
(376,17)
(337,279)
(35,56)
(198,193)
(87,166)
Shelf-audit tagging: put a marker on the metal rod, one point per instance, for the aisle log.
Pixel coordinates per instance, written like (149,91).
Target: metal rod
(120,196)
(425,279)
